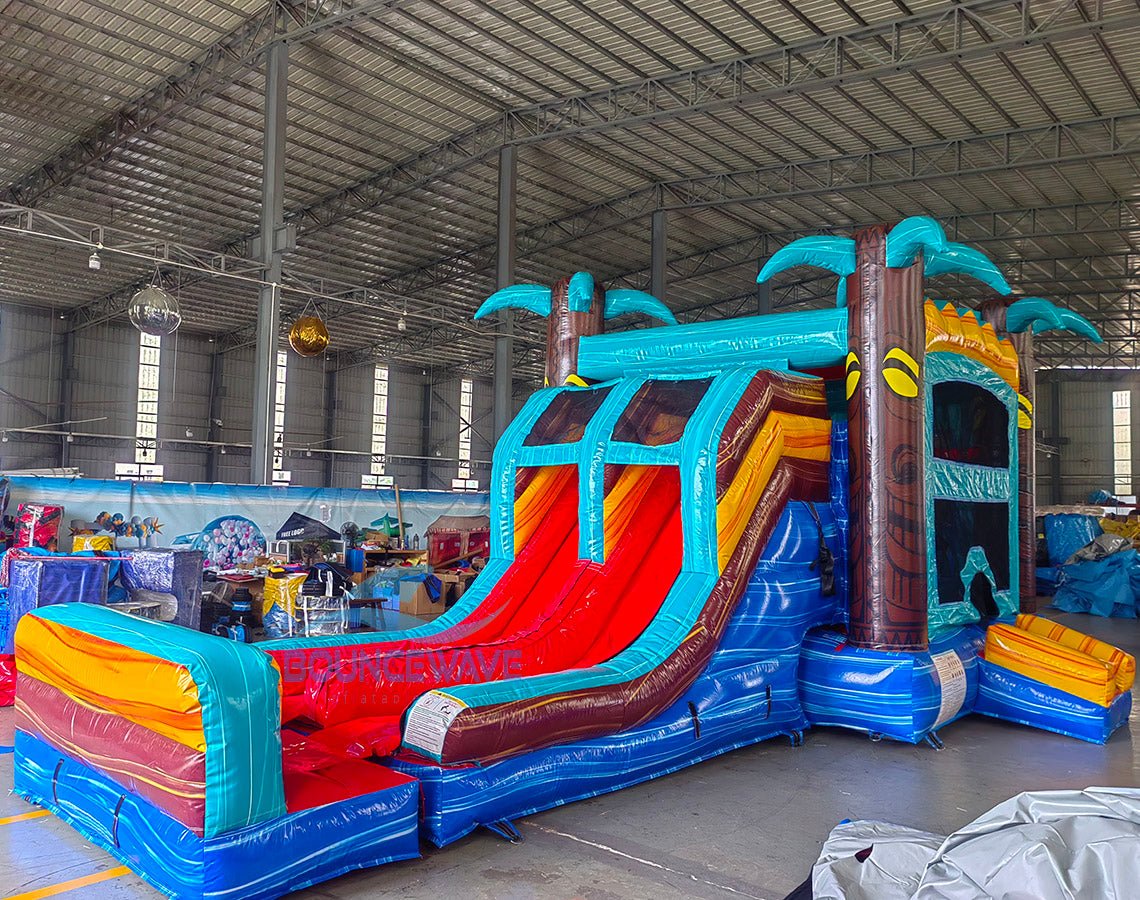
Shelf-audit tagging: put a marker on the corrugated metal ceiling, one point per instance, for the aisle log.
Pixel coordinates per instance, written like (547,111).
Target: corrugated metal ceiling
(411,75)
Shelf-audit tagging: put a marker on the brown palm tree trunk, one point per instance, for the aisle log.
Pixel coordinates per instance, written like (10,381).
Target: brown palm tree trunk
(993,311)
(885,401)
(563,328)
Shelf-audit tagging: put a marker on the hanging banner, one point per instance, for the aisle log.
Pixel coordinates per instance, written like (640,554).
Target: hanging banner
(231,524)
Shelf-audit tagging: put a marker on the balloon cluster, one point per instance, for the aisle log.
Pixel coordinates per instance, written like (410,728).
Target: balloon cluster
(230,541)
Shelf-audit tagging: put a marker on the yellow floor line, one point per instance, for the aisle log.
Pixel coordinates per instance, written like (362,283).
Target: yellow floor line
(22,817)
(53,889)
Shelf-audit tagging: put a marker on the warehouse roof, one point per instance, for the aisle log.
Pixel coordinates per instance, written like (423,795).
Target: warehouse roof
(1016,122)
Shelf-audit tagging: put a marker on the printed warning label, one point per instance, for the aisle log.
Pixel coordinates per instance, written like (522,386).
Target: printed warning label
(952,679)
(429,720)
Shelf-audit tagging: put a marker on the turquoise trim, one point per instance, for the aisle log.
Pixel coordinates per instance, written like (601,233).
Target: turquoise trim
(813,339)
(965,260)
(641,455)
(592,470)
(699,446)
(946,480)
(532,297)
(239,690)
(550,455)
(503,466)
(824,251)
(580,292)
(1041,315)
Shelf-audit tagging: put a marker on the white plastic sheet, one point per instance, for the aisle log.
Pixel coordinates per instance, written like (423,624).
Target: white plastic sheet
(1047,845)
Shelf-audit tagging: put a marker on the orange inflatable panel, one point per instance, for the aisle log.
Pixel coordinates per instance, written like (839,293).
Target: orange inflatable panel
(1121,664)
(1051,663)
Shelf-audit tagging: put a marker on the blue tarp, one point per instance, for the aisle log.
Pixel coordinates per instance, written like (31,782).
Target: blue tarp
(1103,587)
(1066,533)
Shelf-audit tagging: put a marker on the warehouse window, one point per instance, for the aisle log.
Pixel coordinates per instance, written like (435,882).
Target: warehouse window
(1122,441)
(463,480)
(376,478)
(146,466)
(280,474)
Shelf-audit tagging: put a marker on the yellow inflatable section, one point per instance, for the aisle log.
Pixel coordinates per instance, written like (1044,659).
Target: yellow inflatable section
(1061,658)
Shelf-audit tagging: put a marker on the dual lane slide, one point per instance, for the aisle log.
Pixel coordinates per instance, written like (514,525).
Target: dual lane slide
(623,561)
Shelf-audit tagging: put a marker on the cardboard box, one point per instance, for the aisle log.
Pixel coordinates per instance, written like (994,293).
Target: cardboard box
(453,585)
(416,601)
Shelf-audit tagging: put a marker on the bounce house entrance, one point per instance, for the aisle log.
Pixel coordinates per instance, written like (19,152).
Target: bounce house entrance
(971,545)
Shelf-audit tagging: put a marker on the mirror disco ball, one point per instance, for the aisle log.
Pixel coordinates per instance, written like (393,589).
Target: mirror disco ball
(308,336)
(154,311)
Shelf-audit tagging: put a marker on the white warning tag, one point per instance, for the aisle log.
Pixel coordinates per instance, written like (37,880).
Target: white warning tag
(952,679)
(429,720)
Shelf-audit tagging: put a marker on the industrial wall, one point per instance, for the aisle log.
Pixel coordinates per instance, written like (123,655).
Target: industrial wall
(423,413)
(1080,429)
(423,409)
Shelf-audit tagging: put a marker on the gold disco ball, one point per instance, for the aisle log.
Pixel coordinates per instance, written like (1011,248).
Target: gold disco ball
(309,336)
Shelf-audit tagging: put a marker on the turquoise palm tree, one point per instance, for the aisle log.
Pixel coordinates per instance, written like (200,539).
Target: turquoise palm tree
(1036,314)
(904,241)
(574,307)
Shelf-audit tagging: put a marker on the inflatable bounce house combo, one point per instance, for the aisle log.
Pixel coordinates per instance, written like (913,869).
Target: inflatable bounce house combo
(702,536)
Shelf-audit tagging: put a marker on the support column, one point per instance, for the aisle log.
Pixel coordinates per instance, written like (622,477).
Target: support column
(425,434)
(503,399)
(763,298)
(658,252)
(1055,438)
(272,245)
(330,426)
(885,395)
(214,431)
(67,376)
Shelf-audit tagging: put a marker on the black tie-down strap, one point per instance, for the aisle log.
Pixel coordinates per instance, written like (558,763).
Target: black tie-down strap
(825,561)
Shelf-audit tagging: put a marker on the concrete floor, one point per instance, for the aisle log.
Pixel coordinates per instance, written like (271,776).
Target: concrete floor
(747,825)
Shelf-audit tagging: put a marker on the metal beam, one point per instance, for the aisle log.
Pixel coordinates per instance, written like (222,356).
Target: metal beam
(659,254)
(909,43)
(67,376)
(272,233)
(1028,148)
(426,393)
(214,426)
(764,298)
(331,416)
(1055,439)
(502,402)
(213,70)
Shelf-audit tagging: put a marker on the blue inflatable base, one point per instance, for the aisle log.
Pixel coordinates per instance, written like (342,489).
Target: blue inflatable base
(746,694)
(1004,694)
(894,694)
(458,800)
(253,863)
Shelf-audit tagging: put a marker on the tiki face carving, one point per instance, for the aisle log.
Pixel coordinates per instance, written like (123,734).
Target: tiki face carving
(900,372)
(854,373)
